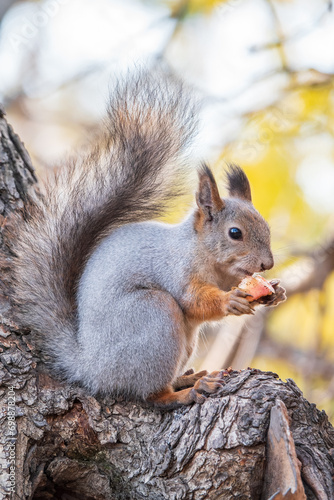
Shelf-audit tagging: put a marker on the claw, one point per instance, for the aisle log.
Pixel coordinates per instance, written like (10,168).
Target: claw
(197,397)
(241,293)
(188,372)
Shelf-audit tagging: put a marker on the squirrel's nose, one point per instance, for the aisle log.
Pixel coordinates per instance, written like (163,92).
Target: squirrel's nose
(268,263)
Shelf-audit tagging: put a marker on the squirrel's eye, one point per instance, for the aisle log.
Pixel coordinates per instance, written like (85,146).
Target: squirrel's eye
(235,233)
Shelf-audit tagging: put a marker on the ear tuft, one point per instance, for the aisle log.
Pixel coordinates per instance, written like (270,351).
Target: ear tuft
(207,197)
(238,183)
(205,171)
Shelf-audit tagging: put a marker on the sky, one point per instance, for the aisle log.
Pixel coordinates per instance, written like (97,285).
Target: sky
(229,56)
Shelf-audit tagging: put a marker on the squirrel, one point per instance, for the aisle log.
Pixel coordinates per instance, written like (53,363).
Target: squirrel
(114,298)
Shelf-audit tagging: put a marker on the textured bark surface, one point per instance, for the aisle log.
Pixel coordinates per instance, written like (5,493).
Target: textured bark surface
(17,176)
(17,180)
(65,444)
(283,467)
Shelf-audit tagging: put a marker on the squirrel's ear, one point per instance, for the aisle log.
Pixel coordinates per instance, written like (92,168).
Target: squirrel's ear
(207,197)
(238,183)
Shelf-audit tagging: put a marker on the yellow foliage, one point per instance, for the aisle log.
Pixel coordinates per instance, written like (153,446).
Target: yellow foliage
(182,8)
(327,331)
(296,322)
(284,369)
(272,145)
(316,101)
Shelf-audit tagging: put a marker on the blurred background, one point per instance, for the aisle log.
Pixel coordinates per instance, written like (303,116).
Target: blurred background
(265,72)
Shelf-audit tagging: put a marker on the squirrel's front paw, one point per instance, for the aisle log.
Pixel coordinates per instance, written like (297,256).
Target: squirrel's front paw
(237,303)
(275,298)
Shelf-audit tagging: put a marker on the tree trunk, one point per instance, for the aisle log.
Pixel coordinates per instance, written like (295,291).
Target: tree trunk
(256,438)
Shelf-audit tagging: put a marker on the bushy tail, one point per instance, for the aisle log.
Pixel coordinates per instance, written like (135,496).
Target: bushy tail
(127,177)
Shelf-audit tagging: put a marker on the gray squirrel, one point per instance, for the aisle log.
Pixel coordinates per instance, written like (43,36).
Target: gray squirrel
(115,299)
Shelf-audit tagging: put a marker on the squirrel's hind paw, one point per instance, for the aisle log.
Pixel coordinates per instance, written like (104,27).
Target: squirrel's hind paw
(210,383)
(188,379)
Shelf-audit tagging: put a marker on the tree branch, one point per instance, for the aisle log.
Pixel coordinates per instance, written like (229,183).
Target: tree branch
(56,441)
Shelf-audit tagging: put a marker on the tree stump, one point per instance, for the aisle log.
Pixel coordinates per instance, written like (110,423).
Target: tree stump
(257,438)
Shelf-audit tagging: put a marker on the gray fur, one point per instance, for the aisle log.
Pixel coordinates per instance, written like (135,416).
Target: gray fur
(128,176)
(139,274)
(144,268)
(103,287)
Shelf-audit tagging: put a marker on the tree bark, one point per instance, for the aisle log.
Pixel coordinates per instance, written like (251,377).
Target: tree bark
(256,438)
